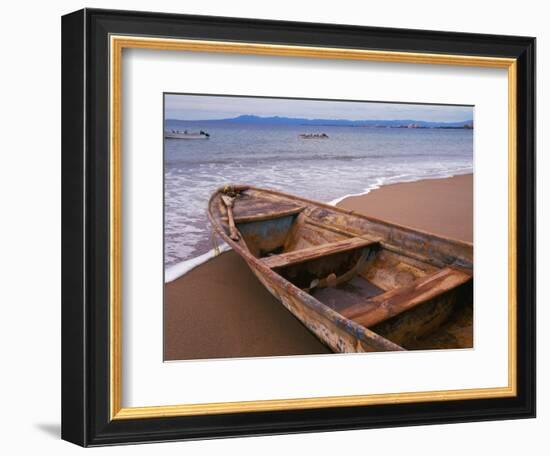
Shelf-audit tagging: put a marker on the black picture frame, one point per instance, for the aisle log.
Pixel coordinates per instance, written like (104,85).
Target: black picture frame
(85,227)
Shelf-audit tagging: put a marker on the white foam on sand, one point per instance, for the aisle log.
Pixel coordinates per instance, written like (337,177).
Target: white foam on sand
(401,179)
(177,270)
(378,184)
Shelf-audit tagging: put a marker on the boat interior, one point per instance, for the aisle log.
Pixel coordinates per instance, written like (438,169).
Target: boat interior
(416,302)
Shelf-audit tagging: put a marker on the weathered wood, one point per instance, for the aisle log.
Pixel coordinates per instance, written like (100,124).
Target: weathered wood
(233,233)
(333,280)
(394,302)
(267,215)
(386,245)
(414,255)
(288,242)
(457,331)
(437,250)
(334,229)
(266,237)
(391,270)
(355,291)
(300,256)
(248,208)
(303,235)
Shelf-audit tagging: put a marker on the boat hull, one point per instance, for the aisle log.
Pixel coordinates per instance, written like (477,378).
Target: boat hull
(266,233)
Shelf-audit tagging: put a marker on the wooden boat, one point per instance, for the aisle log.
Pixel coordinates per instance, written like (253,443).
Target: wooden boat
(358,283)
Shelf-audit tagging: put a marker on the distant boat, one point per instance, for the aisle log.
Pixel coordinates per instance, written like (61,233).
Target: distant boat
(314,136)
(178,134)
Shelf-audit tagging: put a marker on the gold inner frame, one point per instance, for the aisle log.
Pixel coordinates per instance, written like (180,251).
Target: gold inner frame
(117,44)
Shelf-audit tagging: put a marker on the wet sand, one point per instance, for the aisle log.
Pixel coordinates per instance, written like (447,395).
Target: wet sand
(221,310)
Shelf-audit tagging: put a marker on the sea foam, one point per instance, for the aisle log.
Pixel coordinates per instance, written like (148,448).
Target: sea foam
(177,270)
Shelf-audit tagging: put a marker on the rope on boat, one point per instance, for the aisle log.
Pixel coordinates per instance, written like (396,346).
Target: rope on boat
(228,196)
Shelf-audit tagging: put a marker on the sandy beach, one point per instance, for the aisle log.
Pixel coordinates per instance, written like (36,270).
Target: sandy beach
(441,206)
(220,309)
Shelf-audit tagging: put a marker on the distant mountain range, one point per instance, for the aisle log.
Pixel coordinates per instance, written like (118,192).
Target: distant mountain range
(277,120)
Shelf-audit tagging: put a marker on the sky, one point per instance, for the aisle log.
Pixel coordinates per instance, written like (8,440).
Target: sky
(199,107)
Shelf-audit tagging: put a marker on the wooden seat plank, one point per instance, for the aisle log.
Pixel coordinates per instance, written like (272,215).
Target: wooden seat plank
(318,251)
(391,303)
(249,208)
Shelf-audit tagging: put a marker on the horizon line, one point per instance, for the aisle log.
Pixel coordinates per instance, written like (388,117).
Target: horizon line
(322,118)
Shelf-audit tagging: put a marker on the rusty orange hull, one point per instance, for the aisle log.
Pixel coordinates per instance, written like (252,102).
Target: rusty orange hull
(358,283)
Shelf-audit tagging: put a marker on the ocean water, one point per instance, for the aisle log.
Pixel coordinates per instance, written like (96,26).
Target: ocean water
(353,160)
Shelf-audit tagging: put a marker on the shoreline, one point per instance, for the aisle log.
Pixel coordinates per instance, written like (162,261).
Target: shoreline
(181,268)
(219,309)
(449,212)
(378,185)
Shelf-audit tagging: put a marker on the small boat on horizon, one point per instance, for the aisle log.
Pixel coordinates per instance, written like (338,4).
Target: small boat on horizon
(314,136)
(360,284)
(178,134)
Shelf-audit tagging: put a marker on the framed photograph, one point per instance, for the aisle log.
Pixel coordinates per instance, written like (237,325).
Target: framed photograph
(279,227)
